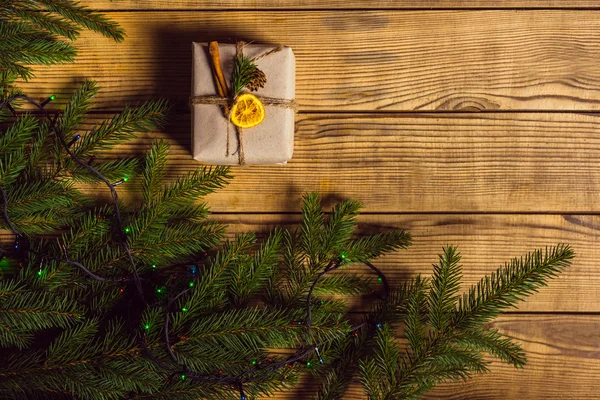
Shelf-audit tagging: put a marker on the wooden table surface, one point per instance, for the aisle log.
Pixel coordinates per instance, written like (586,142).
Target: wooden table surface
(468,122)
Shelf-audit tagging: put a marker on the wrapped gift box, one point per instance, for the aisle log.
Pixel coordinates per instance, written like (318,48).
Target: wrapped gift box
(270,142)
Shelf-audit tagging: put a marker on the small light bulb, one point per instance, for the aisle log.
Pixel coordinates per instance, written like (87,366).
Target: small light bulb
(147,326)
(380,279)
(125,178)
(182,377)
(75,138)
(343,255)
(308,363)
(53,97)
(253,362)
(191,284)
(127,230)
(154,266)
(184,309)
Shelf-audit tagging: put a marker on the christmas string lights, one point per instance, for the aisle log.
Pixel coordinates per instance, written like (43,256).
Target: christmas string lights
(380,276)
(301,353)
(72,142)
(94,171)
(257,371)
(48,100)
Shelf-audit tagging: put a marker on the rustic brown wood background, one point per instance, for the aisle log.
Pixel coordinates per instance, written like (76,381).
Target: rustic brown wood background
(469,122)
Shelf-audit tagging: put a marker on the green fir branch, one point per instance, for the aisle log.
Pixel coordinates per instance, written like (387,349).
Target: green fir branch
(444,287)
(249,275)
(85,17)
(153,171)
(42,20)
(244,68)
(510,284)
(122,127)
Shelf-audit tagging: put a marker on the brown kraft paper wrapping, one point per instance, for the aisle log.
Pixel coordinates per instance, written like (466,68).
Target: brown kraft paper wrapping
(270,142)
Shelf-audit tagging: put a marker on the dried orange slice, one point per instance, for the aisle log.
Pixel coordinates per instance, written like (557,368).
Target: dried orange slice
(247,111)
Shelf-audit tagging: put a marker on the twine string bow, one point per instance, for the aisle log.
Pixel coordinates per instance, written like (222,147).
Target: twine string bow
(228,102)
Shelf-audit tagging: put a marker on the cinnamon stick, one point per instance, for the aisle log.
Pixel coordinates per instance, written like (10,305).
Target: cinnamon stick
(221,83)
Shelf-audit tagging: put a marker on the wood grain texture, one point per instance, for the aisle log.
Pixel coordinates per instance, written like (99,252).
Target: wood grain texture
(485,242)
(564,363)
(360,60)
(497,184)
(332,4)
(489,162)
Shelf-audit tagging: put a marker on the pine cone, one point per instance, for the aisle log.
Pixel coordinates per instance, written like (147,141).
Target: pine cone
(257,81)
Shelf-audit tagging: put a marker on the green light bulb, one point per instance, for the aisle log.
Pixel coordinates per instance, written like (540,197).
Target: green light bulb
(182,377)
(147,326)
(127,230)
(380,279)
(191,284)
(184,309)
(343,255)
(53,97)
(40,272)
(308,363)
(125,178)
(253,362)
(154,266)
(159,290)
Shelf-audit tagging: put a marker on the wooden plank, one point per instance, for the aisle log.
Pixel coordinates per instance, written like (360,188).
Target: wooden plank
(485,242)
(489,162)
(360,60)
(563,363)
(333,4)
